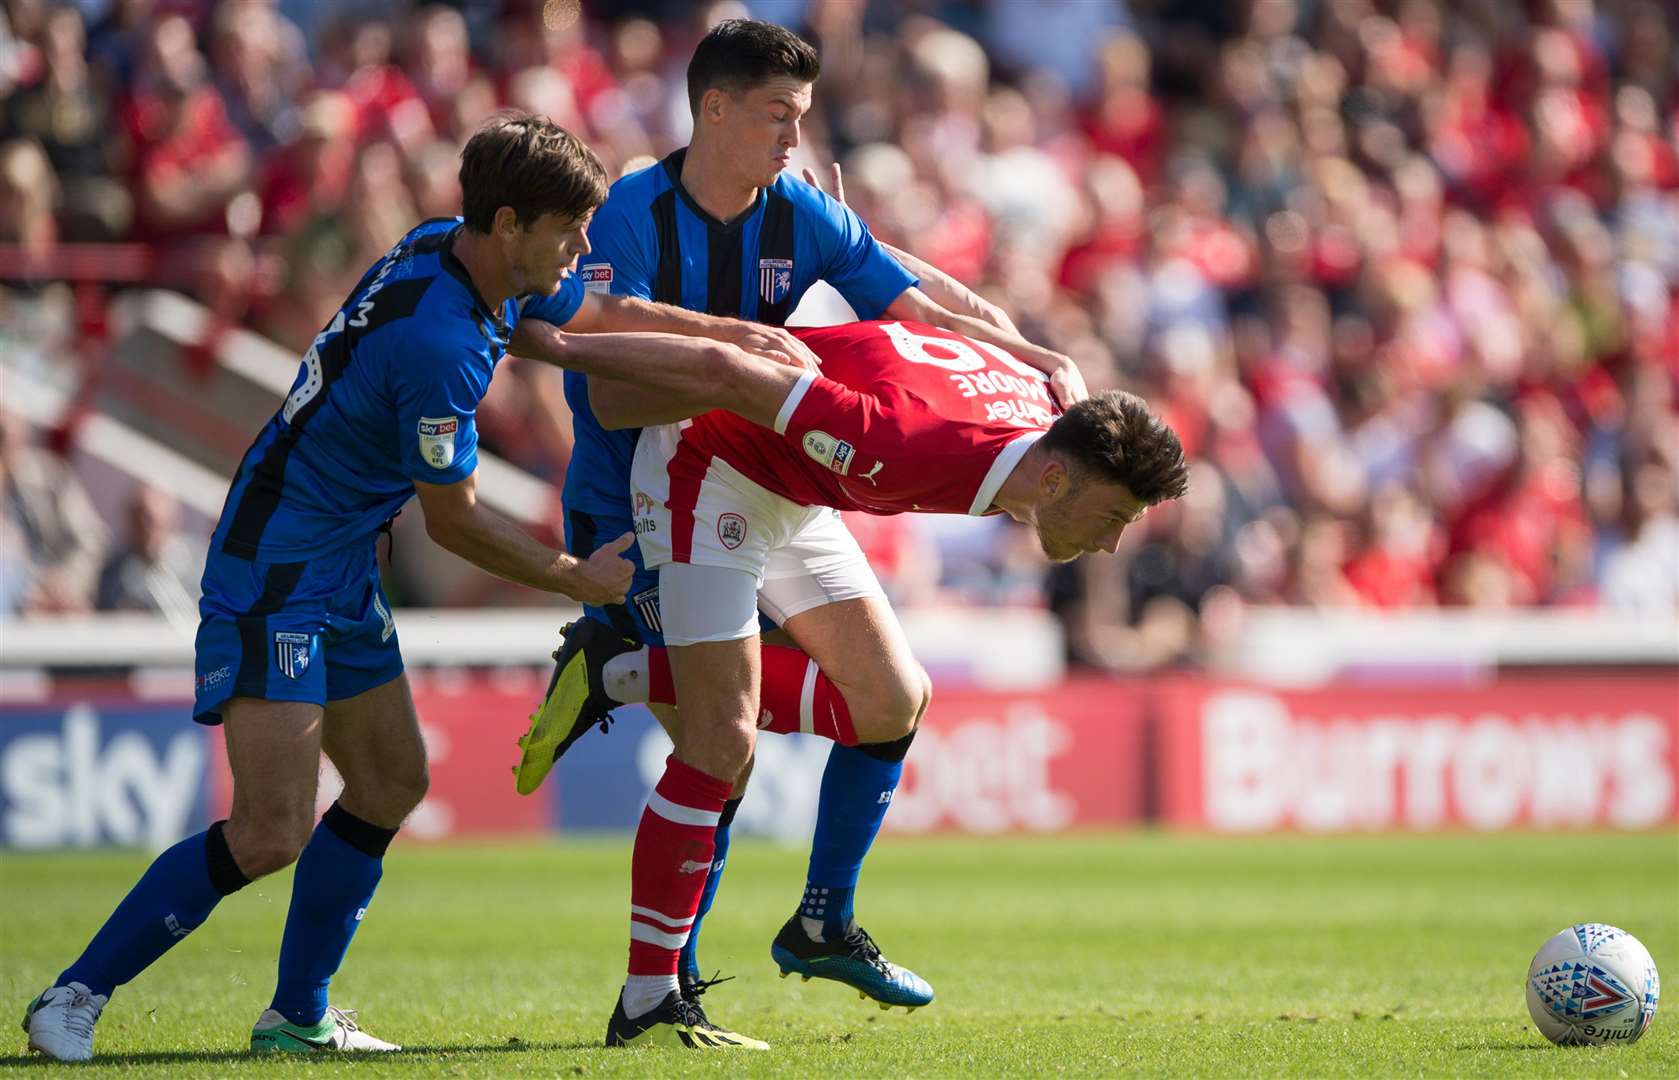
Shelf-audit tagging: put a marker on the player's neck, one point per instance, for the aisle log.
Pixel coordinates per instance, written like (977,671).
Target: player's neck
(485,266)
(709,181)
(1018,497)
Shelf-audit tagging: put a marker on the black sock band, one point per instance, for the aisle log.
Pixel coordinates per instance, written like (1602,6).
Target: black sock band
(364,836)
(728,815)
(225,874)
(896,750)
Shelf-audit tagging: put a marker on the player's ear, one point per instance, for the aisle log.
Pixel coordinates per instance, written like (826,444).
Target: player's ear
(712,104)
(505,223)
(1054,481)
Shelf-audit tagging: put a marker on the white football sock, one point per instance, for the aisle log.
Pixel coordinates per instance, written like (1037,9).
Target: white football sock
(626,678)
(642,993)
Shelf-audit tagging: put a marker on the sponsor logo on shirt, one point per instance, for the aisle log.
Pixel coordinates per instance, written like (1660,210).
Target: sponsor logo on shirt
(731,530)
(597,278)
(437,440)
(775,279)
(829,452)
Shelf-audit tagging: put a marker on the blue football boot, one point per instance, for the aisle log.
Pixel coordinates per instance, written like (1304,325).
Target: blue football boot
(854,960)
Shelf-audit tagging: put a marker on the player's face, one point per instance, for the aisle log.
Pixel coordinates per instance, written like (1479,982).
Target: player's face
(761,127)
(1083,518)
(542,254)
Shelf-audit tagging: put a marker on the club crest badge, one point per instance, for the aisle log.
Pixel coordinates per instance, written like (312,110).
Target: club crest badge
(291,653)
(731,530)
(775,279)
(647,602)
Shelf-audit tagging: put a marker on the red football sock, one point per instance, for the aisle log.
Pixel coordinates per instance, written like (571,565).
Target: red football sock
(672,858)
(661,686)
(794,695)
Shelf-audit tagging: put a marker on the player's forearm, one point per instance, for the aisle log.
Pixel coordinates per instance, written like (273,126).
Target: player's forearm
(491,542)
(695,373)
(618,405)
(633,315)
(949,293)
(662,362)
(1045,360)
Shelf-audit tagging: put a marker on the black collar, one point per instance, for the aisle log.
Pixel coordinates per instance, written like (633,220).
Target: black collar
(672,165)
(451,262)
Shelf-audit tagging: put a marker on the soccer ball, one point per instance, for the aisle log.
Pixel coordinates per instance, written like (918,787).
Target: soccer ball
(1592,984)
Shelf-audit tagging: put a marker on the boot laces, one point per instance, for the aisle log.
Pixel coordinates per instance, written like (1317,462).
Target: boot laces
(346,1018)
(80,1012)
(863,948)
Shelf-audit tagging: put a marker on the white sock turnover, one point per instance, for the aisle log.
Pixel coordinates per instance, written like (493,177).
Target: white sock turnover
(642,993)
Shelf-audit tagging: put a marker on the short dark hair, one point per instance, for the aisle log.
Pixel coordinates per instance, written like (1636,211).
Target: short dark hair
(1114,436)
(739,54)
(531,164)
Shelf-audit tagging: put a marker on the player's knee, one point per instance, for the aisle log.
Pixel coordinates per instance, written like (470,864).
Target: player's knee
(389,797)
(262,847)
(890,708)
(409,790)
(721,747)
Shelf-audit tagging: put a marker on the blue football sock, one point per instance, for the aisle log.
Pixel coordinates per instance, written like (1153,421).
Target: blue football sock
(857,789)
(172,898)
(333,884)
(691,951)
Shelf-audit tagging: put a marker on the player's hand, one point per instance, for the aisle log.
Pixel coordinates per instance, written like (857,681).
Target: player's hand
(604,577)
(774,344)
(836,182)
(1066,384)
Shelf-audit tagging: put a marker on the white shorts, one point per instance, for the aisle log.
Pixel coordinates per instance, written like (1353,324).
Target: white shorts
(795,557)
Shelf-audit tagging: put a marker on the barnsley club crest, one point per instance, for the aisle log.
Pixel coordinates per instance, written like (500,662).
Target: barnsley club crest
(731,530)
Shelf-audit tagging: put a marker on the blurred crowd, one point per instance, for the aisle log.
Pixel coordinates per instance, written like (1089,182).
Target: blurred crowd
(1404,274)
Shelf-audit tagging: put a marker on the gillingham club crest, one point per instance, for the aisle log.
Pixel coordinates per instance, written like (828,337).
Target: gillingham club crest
(291,653)
(775,279)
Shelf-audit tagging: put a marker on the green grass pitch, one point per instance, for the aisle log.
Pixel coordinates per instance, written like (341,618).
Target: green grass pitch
(1140,953)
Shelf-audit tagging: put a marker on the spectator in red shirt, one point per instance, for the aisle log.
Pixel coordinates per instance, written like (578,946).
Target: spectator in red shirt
(189,161)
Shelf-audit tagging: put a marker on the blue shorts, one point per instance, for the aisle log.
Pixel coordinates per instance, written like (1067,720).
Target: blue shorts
(314,631)
(638,616)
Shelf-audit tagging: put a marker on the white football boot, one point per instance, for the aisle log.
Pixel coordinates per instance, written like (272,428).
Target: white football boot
(60,1022)
(336,1031)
